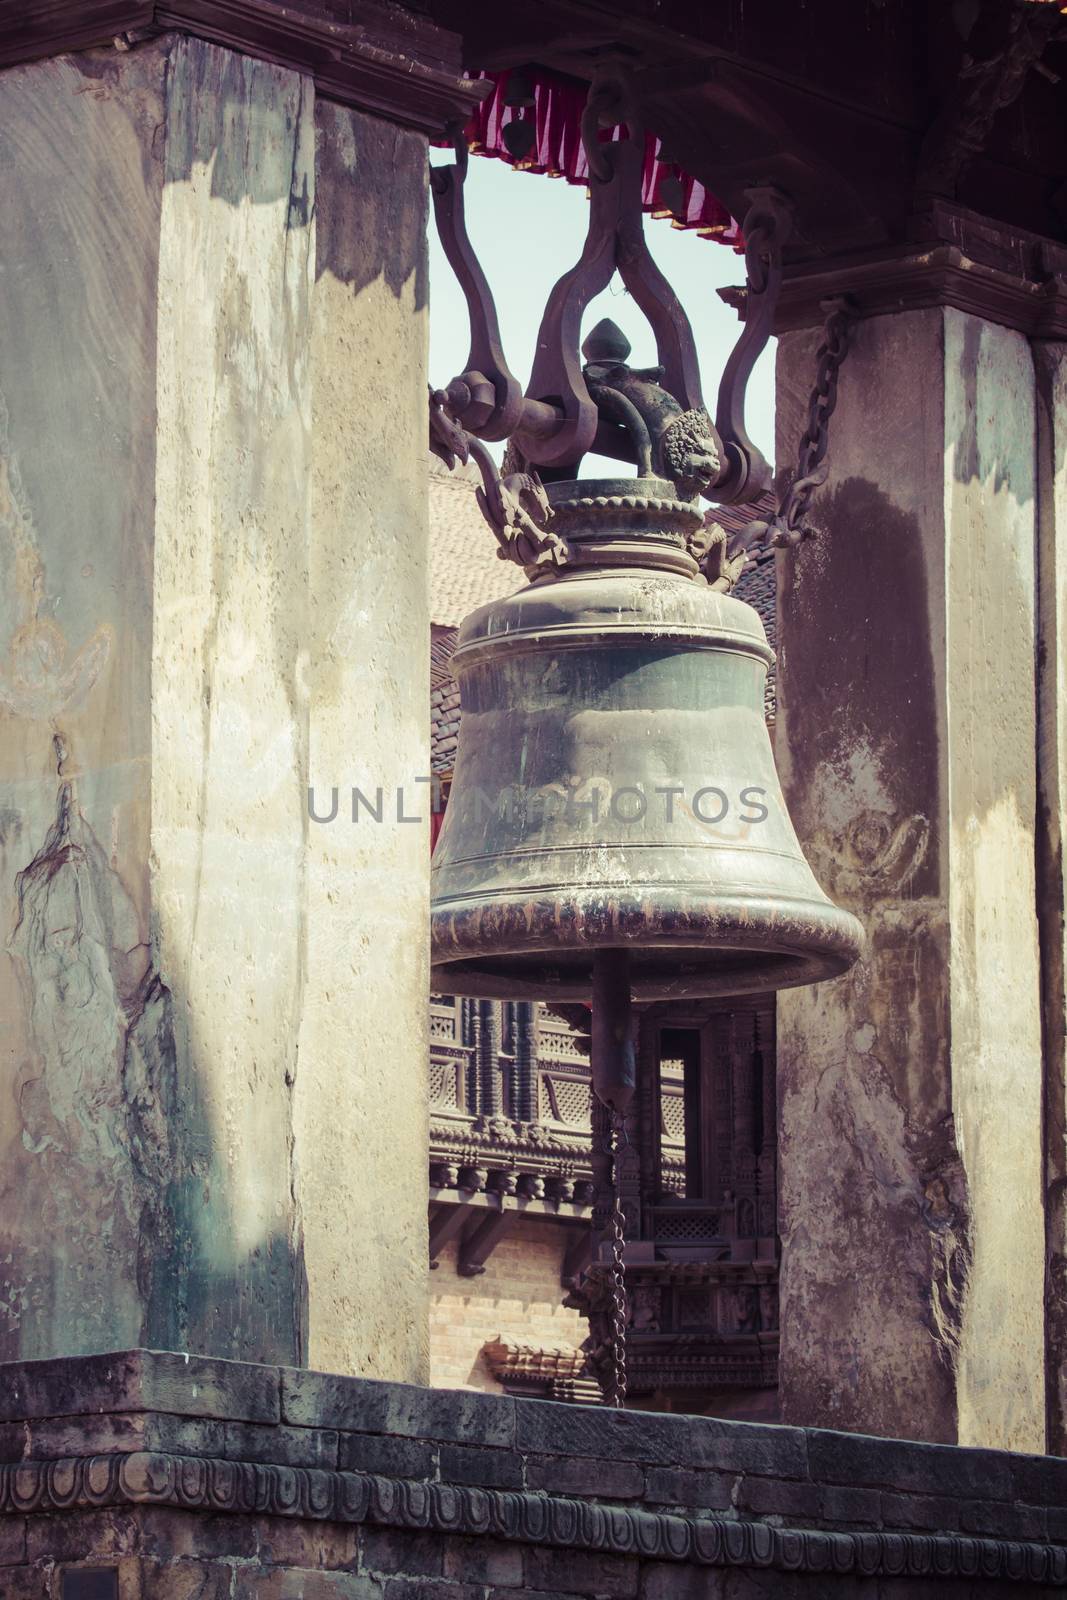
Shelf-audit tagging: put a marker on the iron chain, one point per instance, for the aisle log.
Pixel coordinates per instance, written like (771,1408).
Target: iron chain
(790,525)
(616,1391)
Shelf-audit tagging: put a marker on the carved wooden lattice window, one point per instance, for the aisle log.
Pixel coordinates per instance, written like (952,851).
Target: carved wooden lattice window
(444,1018)
(673,1111)
(682,1109)
(565,1100)
(557,1042)
(697,1225)
(443,1083)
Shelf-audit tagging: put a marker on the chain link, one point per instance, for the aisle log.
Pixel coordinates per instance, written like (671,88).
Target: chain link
(790,524)
(616,1390)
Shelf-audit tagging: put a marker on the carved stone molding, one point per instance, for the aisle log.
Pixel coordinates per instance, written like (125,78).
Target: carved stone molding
(144,1478)
(379,58)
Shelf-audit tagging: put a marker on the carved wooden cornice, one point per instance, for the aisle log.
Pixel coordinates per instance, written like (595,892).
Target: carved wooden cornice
(527,1360)
(530,1146)
(551,1194)
(220,1488)
(378,58)
(955,257)
(649,1372)
(917,278)
(690,1274)
(552,1374)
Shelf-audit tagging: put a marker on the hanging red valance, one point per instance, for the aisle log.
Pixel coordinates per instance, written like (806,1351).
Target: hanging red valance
(554,107)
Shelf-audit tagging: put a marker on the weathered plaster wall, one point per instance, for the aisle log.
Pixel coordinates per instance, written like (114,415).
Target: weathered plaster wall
(230,613)
(1050,366)
(212,1138)
(872,1203)
(910,1184)
(79,1000)
(362,1092)
(996,1070)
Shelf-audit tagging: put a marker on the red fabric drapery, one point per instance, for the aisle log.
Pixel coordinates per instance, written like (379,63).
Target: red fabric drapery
(556,114)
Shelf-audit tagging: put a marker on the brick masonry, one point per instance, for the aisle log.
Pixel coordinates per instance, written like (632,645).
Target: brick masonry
(517,1299)
(191,1479)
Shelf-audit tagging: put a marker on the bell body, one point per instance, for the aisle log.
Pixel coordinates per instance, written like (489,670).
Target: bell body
(615,788)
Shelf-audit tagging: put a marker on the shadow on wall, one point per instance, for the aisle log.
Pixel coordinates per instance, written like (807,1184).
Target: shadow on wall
(117,1153)
(874,667)
(385,163)
(911,1087)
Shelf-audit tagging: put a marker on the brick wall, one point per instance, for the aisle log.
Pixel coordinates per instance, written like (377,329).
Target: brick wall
(518,1299)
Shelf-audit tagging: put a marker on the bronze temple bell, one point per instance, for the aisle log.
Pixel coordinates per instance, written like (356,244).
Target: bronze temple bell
(615,825)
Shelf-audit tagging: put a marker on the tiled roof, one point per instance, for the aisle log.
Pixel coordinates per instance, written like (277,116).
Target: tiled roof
(444,700)
(442,644)
(465,573)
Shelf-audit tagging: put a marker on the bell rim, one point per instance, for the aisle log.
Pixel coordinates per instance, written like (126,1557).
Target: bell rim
(802,941)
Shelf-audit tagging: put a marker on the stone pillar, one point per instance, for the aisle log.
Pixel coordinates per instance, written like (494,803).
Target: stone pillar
(911,1089)
(1050,364)
(212,594)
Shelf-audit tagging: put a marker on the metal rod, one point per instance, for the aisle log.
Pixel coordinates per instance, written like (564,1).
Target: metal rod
(612,1051)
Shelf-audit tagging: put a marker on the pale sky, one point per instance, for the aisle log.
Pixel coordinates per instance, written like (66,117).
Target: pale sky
(528,230)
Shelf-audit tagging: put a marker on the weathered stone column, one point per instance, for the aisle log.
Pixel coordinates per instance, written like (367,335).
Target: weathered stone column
(911,1090)
(212,594)
(1050,364)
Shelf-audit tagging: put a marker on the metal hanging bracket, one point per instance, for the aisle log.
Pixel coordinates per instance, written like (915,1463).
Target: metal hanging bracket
(556,421)
(654,418)
(766,228)
(615,241)
(486,398)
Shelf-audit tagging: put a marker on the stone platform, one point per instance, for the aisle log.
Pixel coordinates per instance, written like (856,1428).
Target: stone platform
(148,1476)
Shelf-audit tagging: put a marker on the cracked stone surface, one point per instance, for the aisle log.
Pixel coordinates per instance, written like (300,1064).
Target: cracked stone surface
(910,1158)
(212,582)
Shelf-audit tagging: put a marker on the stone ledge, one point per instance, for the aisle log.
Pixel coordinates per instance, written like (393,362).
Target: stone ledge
(198,1484)
(216,1446)
(142,1400)
(140,1380)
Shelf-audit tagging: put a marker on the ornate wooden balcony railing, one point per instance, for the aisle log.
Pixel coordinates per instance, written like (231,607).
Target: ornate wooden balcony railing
(509,1127)
(512,1135)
